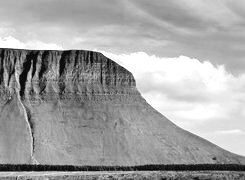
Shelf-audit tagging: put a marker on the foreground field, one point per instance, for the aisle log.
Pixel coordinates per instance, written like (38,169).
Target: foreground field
(124,175)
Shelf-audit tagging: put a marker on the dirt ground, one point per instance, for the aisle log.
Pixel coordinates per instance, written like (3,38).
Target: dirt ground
(124,175)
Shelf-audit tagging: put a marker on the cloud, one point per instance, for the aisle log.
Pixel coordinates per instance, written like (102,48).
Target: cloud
(11,42)
(62,11)
(232,131)
(212,30)
(179,78)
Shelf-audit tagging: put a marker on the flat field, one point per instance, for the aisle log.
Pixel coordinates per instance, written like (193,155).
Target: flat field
(125,175)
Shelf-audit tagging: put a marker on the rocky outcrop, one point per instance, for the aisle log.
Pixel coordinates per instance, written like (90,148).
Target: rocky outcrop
(58,74)
(79,107)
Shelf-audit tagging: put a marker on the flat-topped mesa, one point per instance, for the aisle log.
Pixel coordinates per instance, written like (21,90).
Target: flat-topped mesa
(32,73)
(81,108)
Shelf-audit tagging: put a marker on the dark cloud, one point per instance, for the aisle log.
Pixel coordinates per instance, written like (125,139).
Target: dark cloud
(208,31)
(172,12)
(85,13)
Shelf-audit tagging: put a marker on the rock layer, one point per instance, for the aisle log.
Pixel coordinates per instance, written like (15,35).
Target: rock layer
(81,108)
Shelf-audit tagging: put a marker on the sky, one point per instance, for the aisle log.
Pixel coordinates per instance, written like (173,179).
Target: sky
(187,56)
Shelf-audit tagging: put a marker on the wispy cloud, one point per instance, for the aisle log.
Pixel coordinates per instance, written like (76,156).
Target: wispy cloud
(11,42)
(210,30)
(231,131)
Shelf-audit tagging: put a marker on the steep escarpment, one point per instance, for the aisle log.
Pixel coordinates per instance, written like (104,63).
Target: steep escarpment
(42,73)
(79,107)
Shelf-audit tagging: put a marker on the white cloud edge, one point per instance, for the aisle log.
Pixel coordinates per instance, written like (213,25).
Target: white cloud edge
(11,42)
(188,77)
(230,132)
(217,115)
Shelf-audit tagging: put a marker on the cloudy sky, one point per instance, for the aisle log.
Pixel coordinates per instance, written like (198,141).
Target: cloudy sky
(187,56)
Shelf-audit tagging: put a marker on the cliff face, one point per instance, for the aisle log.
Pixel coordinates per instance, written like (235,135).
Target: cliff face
(35,74)
(81,108)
